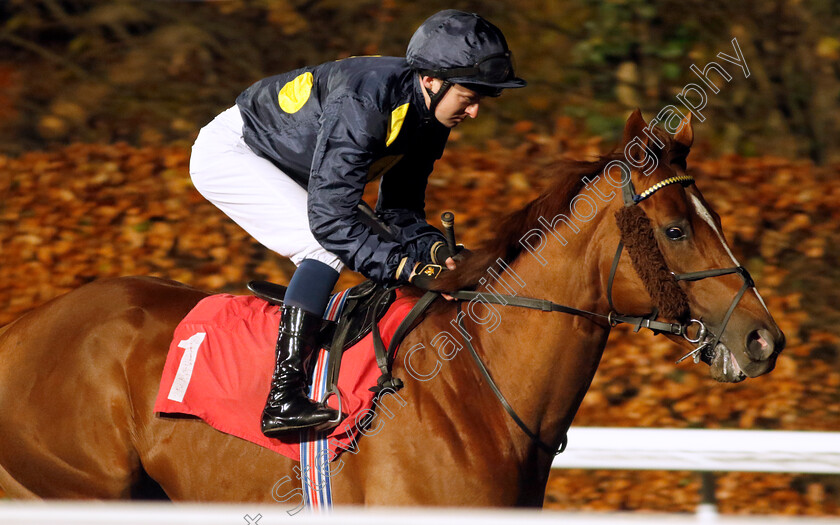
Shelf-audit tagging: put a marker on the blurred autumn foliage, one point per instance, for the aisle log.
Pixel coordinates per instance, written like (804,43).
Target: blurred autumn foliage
(110,95)
(153,72)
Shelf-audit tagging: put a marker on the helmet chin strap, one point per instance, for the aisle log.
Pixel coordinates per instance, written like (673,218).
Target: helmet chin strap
(435,98)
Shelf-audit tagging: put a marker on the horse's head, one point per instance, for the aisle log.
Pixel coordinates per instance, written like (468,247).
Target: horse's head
(673,271)
(675,243)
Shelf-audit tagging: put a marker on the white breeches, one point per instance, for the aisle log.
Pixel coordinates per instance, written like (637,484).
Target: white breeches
(252,191)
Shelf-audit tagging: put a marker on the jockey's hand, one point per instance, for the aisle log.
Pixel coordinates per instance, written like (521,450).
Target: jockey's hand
(450,264)
(441,253)
(423,274)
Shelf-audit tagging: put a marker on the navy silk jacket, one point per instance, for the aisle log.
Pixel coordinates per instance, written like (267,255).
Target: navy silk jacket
(334,127)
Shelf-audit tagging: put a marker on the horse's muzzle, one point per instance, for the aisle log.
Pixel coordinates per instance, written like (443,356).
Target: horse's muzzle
(762,345)
(761,348)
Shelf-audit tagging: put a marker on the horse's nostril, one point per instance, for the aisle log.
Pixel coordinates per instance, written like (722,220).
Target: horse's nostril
(780,343)
(760,344)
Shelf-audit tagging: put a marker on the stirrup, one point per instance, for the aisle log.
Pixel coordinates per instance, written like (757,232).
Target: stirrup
(341,415)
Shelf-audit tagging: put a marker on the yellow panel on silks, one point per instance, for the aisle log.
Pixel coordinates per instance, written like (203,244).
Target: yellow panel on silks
(396,122)
(295,93)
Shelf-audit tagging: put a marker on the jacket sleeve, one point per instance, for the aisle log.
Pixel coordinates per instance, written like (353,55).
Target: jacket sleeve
(401,203)
(352,132)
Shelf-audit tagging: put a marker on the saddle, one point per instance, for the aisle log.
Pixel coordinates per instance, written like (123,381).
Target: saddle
(364,306)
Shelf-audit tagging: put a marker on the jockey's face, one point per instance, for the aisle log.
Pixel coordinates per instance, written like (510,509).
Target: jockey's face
(457,104)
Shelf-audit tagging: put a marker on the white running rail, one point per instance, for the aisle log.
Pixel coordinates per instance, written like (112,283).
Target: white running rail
(65,513)
(701,450)
(706,451)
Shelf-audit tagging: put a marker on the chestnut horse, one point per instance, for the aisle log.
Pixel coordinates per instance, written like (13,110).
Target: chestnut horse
(79,375)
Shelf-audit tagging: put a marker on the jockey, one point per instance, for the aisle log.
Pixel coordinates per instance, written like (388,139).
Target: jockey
(289,163)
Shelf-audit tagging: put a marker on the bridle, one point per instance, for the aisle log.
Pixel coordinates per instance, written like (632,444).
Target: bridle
(705,339)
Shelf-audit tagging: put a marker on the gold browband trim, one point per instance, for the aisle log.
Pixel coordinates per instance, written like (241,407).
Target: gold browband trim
(682,179)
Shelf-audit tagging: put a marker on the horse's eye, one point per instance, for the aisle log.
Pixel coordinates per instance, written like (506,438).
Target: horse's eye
(675,233)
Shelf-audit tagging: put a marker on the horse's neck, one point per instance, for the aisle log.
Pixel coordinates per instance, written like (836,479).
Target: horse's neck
(544,362)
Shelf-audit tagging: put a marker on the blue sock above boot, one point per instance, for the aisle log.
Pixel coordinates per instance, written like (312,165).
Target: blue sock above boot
(310,286)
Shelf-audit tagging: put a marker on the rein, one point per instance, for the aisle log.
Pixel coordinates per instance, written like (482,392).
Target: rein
(704,338)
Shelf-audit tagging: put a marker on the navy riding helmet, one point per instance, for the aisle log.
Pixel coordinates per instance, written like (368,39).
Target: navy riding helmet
(463,48)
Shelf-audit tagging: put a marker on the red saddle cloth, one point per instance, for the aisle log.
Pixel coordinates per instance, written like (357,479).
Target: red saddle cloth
(221,360)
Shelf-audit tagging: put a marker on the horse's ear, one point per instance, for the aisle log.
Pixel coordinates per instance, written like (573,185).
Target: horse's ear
(634,131)
(685,135)
(634,128)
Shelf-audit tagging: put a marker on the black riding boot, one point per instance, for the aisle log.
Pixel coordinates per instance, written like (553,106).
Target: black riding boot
(288,407)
